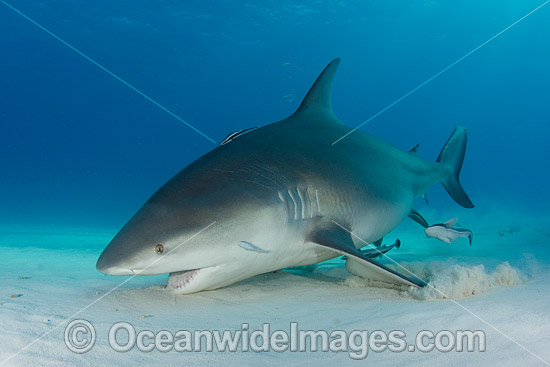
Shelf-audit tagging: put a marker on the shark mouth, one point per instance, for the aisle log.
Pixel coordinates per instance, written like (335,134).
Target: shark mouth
(190,281)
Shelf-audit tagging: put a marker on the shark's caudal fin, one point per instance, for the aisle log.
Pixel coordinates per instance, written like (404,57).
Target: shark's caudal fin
(317,100)
(452,156)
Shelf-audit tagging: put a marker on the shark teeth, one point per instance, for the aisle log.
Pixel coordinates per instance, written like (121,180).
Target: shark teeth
(187,280)
(181,279)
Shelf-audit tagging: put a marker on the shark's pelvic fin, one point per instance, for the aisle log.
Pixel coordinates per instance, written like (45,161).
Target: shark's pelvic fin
(373,253)
(452,156)
(317,101)
(330,235)
(378,250)
(418,218)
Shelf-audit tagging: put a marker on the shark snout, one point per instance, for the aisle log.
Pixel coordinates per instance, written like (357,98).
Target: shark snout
(115,270)
(112,265)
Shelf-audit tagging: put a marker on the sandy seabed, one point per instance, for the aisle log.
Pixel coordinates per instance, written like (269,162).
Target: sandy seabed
(500,285)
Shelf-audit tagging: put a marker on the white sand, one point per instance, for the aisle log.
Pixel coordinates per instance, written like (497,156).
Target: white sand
(503,278)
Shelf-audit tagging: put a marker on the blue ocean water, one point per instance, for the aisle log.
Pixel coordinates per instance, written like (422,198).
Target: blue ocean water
(81,149)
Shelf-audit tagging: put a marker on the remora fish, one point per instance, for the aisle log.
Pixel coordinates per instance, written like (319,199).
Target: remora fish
(447,232)
(281,196)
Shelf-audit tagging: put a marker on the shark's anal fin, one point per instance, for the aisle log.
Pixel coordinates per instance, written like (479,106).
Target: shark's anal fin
(418,218)
(330,235)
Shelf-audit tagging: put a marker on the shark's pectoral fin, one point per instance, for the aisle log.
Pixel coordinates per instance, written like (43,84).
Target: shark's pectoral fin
(331,235)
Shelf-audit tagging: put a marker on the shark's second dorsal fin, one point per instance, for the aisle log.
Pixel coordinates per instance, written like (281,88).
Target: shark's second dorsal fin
(414,150)
(317,100)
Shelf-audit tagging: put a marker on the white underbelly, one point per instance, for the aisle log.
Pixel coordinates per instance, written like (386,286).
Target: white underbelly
(377,221)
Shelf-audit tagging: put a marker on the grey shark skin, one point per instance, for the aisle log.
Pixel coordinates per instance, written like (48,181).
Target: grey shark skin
(281,196)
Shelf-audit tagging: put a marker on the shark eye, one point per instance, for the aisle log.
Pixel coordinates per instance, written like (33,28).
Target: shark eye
(159,249)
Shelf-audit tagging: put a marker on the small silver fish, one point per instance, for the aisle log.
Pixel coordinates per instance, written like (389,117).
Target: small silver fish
(251,247)
(446,232)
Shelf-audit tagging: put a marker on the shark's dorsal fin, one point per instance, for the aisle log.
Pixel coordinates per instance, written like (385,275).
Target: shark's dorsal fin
(317,100)
(414,150)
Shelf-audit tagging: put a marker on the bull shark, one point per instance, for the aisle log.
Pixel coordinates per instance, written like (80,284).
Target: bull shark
(279,196)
